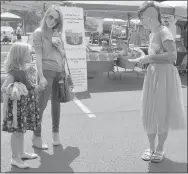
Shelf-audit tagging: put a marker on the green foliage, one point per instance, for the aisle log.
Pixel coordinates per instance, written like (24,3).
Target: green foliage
(31,19)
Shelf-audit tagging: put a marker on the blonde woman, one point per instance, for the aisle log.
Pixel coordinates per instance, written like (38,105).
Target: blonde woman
(162,99)
(27,112)
(50,64)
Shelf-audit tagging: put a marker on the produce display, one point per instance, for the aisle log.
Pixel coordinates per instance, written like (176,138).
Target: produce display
(101,56)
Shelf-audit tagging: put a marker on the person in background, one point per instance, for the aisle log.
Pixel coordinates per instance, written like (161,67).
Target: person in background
(184,37)
(162,105)
(184,45)
(170,22)
(19,31)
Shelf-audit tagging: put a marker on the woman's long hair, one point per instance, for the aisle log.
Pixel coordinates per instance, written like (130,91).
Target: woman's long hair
(59,25)
(16,55)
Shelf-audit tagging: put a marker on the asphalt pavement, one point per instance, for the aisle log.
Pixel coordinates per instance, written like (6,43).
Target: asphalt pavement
(111,141)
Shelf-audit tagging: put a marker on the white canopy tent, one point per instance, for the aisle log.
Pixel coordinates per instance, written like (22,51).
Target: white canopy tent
(115,9)
(10,17)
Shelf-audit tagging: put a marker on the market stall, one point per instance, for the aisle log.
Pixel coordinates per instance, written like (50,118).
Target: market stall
(9,17)
(103,59)
(125,10)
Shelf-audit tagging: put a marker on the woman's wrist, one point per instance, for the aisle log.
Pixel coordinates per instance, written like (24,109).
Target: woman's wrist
(61,51)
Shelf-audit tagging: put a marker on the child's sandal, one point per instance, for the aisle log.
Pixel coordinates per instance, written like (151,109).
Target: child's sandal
(146,156)
(157,157)
(29,156)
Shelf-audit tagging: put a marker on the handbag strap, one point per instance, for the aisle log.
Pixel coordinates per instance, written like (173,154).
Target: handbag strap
(65,54)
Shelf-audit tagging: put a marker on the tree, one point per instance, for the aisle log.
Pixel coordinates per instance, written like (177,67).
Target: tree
(31,18)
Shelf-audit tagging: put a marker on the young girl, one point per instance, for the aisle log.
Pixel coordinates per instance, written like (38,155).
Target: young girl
(162,99)
(27,106)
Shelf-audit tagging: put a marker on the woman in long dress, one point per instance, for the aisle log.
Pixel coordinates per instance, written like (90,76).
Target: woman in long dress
(162,99)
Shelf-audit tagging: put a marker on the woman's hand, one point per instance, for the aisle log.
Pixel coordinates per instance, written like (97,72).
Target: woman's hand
(57,44)
(42,83)
(144,60)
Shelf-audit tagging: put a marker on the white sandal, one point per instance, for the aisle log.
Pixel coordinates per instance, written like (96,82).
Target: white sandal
(157,157)
(19,163)
(146,156)
(29,156)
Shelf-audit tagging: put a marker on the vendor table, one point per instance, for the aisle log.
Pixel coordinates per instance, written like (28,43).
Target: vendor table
(99,62)
(129,67)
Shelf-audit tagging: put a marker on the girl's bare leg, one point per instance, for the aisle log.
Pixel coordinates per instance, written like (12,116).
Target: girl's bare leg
(17,146)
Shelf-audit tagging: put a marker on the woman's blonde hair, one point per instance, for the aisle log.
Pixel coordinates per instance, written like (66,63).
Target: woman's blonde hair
(59,25)
(16,55)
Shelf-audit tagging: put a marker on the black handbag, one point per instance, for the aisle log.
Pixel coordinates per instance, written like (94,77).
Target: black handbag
(65,88)
(65,91)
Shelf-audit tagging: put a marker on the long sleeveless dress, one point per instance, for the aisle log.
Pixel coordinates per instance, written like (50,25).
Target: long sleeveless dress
(162,105)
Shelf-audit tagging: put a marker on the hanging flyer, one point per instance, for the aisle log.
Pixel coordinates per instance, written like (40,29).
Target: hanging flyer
(73,35)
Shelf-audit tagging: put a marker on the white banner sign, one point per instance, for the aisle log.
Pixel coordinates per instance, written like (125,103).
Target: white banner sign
(73,35)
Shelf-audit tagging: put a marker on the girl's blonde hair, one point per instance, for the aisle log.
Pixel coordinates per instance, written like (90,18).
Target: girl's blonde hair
(59,25)
(16,55)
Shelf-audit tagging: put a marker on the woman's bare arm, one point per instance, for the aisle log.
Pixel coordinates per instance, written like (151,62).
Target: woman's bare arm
(170,55)
(39,63)
(168,43)
(37,41)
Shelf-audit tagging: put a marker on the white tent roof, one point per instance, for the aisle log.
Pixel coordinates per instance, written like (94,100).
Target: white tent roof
(115,9)
(9,15)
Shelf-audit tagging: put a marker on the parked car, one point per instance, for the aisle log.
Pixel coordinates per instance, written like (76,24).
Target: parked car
(7,33)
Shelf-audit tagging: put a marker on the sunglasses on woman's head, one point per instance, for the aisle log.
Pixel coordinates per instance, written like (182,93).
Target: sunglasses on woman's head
(52,18)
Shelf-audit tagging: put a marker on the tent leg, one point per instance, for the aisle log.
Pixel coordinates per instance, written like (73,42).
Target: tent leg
(24,24)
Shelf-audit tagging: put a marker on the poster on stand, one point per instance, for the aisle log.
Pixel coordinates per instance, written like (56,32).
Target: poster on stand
(73,35)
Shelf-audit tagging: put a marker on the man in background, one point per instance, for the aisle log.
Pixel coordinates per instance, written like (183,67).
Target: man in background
(184,44)
(19,32)
(184,37)
(170,22)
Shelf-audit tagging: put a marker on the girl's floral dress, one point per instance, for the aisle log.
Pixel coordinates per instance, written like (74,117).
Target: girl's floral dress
(27,107)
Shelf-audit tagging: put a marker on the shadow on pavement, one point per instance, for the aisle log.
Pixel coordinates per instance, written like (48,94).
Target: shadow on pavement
(59,162)
(167,166)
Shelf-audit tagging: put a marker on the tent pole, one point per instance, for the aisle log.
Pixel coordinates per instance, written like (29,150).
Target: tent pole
(128,29)
(43,9)
(24,23)
(111,32)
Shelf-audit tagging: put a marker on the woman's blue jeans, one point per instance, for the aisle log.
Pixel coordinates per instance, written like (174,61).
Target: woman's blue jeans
(50,91)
